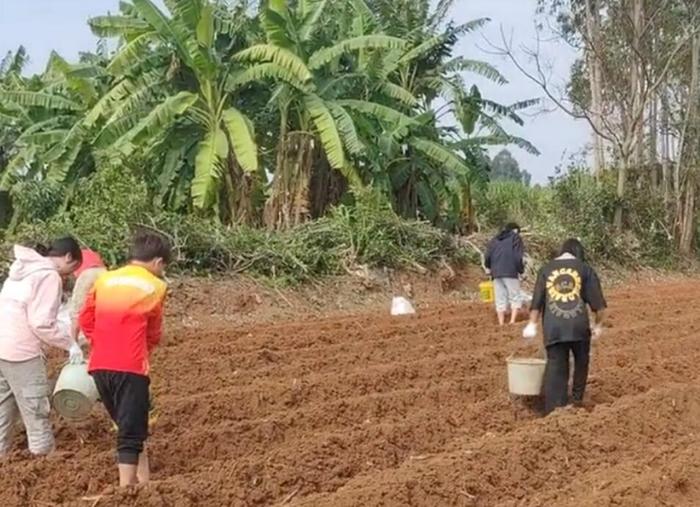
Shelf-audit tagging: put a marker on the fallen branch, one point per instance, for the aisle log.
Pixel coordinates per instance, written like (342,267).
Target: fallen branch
(291,495)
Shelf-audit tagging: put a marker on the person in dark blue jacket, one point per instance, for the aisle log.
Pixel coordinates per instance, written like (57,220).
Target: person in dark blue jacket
(504,262)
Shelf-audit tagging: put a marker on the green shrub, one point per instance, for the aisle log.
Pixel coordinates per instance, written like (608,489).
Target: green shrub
(35,201)
(366,232)
(511,201)
(585,209)
(107,207)
(104,211)
(576,205)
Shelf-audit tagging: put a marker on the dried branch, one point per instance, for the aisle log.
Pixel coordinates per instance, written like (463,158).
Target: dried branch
(540,79)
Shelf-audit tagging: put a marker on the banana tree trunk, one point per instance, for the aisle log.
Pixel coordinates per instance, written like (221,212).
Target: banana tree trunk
(327,186)
(467,222)
(236,200)
(288,204)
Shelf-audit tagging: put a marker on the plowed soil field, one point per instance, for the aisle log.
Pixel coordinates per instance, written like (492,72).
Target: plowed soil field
(368,410)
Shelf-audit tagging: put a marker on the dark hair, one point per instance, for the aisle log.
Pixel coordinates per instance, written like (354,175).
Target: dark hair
(511,226)
(574,247)
(60,247)
(149,245)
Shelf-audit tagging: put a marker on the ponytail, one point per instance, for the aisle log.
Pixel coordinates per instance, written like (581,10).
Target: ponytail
(61,247)
(41,249)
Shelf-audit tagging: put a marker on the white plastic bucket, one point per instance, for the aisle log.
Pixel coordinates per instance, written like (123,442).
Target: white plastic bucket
(525,376)
(75,392)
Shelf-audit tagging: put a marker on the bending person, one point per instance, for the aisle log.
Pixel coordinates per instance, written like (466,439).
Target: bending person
(29,303)
(504,262)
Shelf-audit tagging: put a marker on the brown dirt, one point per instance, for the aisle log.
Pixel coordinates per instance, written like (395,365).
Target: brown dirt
(365,409)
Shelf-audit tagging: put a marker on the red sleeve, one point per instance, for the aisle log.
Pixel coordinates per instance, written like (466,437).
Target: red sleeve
(154,330)
(87,315)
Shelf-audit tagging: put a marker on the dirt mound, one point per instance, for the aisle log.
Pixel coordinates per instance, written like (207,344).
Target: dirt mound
(365,409)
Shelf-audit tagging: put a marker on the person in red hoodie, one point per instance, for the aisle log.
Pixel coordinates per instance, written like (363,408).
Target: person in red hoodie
(85,276)
(122,320)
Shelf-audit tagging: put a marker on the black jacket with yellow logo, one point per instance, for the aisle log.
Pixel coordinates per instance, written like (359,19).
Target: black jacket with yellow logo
(565,289)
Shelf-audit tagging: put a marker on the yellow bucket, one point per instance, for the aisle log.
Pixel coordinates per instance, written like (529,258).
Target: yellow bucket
(486,291)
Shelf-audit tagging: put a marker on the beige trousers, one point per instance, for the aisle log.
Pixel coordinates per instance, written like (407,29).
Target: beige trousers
(24,389)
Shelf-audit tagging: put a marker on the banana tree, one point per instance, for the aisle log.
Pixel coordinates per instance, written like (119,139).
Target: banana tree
(170,104)
(53,142)
(432,169)
(317,97)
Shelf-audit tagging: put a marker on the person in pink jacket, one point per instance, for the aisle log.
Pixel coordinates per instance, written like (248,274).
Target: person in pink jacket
(29,303)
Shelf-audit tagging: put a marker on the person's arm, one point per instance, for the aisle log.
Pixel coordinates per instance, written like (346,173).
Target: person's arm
(539,296)
(42,312)
(81,288)
(599,318)
(519,250)
(86,318)
(154,329)
(487,257)
(594,298)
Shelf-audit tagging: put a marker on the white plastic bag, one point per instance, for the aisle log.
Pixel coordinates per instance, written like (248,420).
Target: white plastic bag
(63,320)
(401,306)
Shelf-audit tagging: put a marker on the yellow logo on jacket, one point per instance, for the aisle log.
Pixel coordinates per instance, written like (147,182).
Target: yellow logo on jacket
(564,293)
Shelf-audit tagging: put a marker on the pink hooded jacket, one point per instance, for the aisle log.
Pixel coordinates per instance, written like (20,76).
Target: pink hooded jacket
(29,303)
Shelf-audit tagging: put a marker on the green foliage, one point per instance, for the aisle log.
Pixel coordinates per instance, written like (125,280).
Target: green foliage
(586,210)
(104,212)
(367,232)
(34,201)
(576,205)
(204,100)
(511,201)
(505,167)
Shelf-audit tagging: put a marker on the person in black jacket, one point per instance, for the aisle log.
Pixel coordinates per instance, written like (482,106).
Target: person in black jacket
(504,262)
(565,289)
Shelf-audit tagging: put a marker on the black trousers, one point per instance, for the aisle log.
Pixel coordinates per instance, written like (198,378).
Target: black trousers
(126,397)
(556,377)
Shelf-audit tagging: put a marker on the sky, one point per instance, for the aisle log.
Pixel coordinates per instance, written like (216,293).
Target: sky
(45,25)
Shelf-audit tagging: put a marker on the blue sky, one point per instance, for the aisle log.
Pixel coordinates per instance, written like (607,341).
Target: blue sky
(43,25)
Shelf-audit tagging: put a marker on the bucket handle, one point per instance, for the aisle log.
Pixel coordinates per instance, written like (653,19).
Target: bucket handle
(540,352)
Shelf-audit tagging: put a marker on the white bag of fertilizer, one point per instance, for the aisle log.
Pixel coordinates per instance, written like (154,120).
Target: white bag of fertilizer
(63,320)
(401,306)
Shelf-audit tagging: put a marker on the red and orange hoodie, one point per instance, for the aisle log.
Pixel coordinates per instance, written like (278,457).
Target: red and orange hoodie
(122,319)
(91,259)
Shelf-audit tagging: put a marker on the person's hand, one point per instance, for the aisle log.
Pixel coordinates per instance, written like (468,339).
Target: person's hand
(597,331)
(75,354)
(530,331)
(487,271)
